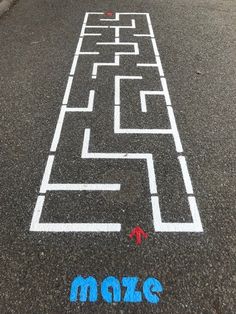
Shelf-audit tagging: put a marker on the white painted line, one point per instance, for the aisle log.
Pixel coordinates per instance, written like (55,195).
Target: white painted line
(91,100)
(79,45)
(117,31)
(158,61)
(133,25)
(153,65)
(119,130)
(143,101)
(92,34)
(37,212)
(57,132)
(151,174)
(166,92)
(115,156)
(157,64)
(76,109)
(142,35)
(134,52)
(154,45)
(73,67)
(156,212)
(96,65)
(160,226)
(148,157)
(82,187)
(178,227)
(117,91)
(96,26)
(116,119)
(82,30)
(89,108)
(186,176)
(110,43)
(117,28)
(118,78)
(86,17)
(77,227)
(153,92)
(84,24)
(149,25)
(67,91)
(195,214)
(85,146)
(143,131)
(46,175)
(82,33)
(177,141)
(143,97)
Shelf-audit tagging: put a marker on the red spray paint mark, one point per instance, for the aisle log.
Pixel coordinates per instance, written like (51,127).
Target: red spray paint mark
(138,233)
(108,13)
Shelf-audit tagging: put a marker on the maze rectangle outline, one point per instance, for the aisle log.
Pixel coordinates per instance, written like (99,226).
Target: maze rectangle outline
(159,226)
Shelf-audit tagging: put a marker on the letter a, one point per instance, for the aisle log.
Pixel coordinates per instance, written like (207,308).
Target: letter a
(111,282)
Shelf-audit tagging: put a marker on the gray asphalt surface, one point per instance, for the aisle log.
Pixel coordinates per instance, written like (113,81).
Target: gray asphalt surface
(197,43)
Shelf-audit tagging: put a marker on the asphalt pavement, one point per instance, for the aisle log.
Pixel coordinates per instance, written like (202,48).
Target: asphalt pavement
(99,138)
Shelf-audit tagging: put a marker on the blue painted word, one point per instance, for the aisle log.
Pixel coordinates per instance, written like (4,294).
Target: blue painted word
(87,288)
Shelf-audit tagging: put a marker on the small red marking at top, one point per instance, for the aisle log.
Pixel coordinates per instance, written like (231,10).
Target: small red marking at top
(108,13)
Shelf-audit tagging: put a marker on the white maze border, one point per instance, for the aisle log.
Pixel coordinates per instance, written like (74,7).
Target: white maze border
(159,226)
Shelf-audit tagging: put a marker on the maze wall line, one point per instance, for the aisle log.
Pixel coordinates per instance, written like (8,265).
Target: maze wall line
(159,225)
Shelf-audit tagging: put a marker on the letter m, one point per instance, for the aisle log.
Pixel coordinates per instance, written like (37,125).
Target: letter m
(88,289)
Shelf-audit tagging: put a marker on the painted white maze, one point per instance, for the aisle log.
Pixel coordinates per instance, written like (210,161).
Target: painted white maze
(116,140)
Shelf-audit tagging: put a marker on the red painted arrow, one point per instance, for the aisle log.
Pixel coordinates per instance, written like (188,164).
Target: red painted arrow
(138,233)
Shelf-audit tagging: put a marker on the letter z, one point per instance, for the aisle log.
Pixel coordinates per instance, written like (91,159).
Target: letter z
(131,295)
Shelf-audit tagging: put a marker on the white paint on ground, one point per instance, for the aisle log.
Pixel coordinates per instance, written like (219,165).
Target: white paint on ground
(159,225)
